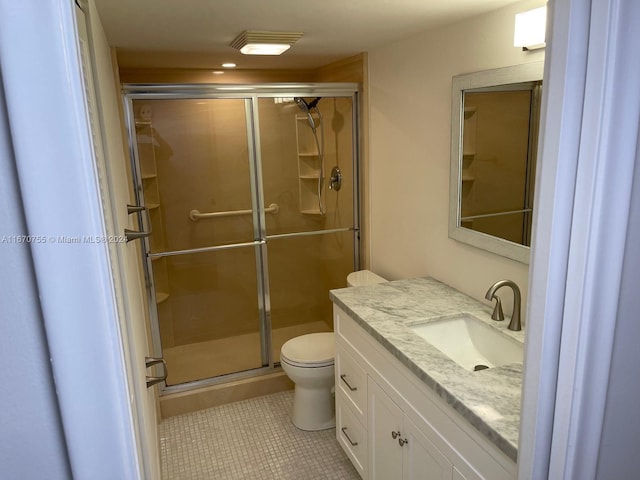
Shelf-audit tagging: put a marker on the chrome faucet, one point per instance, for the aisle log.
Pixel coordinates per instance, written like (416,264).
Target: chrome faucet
(515,323)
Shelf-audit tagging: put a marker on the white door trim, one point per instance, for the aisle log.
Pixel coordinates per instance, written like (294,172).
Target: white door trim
(40,68)
(588,145)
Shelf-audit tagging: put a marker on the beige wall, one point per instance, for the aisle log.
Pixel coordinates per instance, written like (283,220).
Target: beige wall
(410,115)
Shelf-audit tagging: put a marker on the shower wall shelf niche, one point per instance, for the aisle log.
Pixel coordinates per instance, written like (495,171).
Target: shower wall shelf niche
(309,164)
(147,143)
(470,127)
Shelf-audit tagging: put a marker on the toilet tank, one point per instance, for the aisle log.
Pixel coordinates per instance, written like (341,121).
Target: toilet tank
(363,277)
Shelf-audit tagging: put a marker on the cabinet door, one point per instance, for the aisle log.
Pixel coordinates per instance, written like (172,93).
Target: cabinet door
(457,475)
(385,422)
(422,460)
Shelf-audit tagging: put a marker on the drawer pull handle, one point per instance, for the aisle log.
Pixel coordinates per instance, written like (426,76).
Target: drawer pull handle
(344,432)
(342,377)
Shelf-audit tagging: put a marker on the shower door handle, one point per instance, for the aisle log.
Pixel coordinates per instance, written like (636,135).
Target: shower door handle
(135,209)
(150,362)
(132,234)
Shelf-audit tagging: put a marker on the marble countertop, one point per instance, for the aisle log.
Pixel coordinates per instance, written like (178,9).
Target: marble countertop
(489,399)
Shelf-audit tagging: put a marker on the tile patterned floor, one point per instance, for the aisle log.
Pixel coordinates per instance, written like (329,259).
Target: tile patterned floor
(251,439)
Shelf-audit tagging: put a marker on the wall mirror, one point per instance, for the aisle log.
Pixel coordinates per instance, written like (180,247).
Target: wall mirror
(494,134)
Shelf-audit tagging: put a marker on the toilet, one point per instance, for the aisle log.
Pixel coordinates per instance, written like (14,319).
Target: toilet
(308,360)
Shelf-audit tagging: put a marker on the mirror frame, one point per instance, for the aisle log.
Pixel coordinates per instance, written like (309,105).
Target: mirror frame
(477,81)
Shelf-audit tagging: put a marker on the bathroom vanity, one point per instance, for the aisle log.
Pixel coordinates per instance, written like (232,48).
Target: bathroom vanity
(405,409)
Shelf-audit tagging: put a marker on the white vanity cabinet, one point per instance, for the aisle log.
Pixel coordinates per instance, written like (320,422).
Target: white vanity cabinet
(397,447)
(392,425)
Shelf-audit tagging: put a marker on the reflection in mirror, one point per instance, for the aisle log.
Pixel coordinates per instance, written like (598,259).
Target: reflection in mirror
(498,160)
(494,136)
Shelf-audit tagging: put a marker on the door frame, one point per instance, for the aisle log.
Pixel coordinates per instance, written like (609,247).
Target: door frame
(62,206)
(101,81)
(588,155)
(250,93)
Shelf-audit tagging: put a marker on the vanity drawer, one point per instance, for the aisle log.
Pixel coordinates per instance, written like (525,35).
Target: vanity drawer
(351,435)
(351,381)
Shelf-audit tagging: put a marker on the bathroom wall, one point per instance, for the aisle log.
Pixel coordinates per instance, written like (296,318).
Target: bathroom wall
(410,123)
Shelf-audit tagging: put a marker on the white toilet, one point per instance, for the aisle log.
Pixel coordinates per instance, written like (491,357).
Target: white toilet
(308,360)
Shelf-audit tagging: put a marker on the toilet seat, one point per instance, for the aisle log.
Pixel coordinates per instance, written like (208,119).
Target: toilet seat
(313,350)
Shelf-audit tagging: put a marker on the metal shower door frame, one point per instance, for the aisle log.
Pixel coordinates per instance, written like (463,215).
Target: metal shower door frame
(250,94)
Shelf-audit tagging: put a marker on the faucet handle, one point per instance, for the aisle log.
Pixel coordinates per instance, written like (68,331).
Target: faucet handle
(497,314)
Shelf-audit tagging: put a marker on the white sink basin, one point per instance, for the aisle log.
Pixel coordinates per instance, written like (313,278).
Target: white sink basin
(470,342)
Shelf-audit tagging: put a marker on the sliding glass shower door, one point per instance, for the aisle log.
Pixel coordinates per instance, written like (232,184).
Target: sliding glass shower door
(311,241)
(246,238)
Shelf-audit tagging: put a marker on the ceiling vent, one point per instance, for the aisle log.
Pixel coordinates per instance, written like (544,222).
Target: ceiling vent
(254,42)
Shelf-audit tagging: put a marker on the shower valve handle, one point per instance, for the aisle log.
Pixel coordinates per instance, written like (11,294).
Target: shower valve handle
(335,181)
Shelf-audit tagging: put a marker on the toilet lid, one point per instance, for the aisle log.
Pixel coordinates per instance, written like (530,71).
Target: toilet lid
(312,350)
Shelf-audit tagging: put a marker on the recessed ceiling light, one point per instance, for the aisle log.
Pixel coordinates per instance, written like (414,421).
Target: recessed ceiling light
(229,65)
(218,72)
(265,43)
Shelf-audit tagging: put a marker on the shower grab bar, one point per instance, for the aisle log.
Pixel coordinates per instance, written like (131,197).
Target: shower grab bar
(195,215)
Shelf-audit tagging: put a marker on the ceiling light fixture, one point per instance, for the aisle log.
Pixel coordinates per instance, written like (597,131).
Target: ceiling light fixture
(253,42)
(530,29)
(229,65)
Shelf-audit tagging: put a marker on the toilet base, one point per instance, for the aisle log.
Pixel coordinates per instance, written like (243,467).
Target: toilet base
(313,409)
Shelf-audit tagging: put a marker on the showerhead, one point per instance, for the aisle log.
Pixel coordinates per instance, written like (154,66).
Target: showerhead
(307,107)
(304,106)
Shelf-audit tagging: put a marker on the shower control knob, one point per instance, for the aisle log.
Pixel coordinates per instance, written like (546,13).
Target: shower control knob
(335,181)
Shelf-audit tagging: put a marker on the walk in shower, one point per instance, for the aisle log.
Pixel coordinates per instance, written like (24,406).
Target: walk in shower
(251,197)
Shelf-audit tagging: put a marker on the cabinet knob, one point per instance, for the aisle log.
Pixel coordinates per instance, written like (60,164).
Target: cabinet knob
(395,435)
(403,441)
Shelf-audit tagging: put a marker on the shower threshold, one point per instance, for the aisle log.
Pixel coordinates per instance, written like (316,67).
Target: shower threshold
(197,361)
